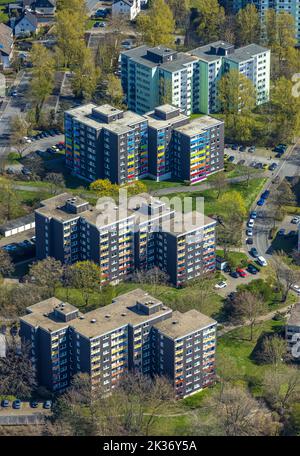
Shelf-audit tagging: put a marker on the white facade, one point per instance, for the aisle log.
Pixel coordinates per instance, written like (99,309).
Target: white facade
(127,8)
(257,69)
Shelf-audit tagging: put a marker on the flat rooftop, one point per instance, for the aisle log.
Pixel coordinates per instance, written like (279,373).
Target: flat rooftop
(198,125)
(187,223)
(294,318)
(157,122)
(181,324)
(121,312)
(246,53)
(84,114)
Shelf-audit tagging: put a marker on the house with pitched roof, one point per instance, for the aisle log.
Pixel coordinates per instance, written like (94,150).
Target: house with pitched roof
(127,8)
(6,45)
(26,25)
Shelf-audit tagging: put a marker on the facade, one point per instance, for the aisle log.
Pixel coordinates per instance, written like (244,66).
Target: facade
(6,45)
(215,59)
(106,143)
(127,8)
(26,25)
(136,332)
(154,76)
(146,234)
(103,142)
(292,332)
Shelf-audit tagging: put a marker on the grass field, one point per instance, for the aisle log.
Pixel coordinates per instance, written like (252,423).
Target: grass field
(152,185)
(212,204)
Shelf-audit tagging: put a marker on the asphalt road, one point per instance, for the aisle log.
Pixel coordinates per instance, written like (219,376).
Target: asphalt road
(289,167)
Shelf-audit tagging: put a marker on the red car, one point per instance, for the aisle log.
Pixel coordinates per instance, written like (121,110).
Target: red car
(241,272)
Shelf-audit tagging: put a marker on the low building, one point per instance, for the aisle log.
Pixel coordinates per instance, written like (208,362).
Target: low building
(135,332)
(26,25)
(18,225)
(6,45)
(126,8)
(292,332)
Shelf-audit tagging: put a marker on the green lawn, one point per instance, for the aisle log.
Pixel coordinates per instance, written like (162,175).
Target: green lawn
(233,257)
(152,185)
(237,347)
(211,203)
(177,299)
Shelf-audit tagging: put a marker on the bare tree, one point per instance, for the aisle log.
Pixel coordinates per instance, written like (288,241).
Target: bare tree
(56,182)
(250,306)
(17,376)
(281,387)
(6,264)
(47,273)
(19,130)
(284,274)
(274,350)
(219,182)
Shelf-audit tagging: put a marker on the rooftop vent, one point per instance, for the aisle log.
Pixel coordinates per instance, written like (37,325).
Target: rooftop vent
(124,314)
(174,322)
(107,316)
(93,320)
(81,318)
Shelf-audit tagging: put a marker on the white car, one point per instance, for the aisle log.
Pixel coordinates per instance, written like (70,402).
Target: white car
(221,284)
(27,140)
(295,219)
(249,232)
(262,261)
(250,223)
(296,288)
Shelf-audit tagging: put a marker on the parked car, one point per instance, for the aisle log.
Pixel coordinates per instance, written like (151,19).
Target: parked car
(234,274)
(242,148)
(249,232)
(252,149)
(5,403)
(296,288)
(253,214)
(34,404)
(292,233)
(261,261)
(254,252)
(261,202)
(234,147)
(102,24)
(231,158)
(273,166)
(47,404)
(265,166)
(252,269)
(16,404)
(241,272)
(265,194)
(258,165)
(249,241)
(221,284)
(241,162)
(295,219)
(33,239)
(250,223)
(253,164)
(281,232)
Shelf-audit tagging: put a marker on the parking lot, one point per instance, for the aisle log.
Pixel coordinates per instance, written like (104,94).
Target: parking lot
(258,158)
(20,246)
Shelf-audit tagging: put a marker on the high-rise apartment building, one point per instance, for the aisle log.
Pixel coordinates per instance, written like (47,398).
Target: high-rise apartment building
(103,142)
(153,76)
(134,332)
(162,144)
(147,234)
(181,148)
(215,59)
(159,75)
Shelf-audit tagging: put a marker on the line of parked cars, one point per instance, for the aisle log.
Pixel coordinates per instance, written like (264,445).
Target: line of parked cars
(280,149)
(10,248)
(17,404)
(43,134)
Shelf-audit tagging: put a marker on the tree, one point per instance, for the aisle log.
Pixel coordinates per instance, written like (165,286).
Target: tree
(6,264)
(180,11)
(19,128)
(47,273)
(114,91)
(238,414)
(211,17)
(249,306)
(157,26)
(85,276)
(42,82)
(273,350)
(286,110)
(56,182)
(9,201)
(248,25)
(219,182)
(103,187)
(85,76)
(285,276)
(236,93)
(281,388)
(17,375)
